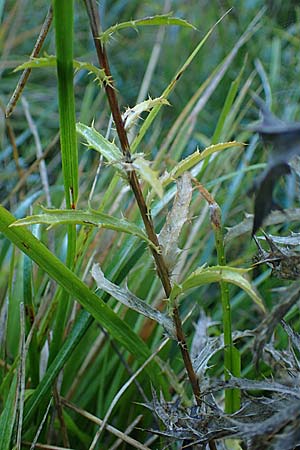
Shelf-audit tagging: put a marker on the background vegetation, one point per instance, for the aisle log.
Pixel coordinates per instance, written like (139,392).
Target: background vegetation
(62,368)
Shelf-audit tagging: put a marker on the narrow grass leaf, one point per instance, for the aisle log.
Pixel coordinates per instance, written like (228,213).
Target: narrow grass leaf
(21,378)
(227,105)
(83,321)
(33,352)
(170,87)
(8,415)
(63,13)
(182,126)
(58,271)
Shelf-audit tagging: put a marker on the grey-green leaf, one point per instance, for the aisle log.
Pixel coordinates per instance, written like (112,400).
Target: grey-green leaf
(90,217)
(102,145)
(131,301)
(216,274)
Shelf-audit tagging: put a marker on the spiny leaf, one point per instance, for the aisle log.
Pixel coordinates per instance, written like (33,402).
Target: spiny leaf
(193,159)
(131,115)
(163,19)
(92,70)
(171,86)
(58,271)
(205,275)
(102,145)
(275,218)
(114,156)
(90,217)
(50,61)
(33,63)
(129,299)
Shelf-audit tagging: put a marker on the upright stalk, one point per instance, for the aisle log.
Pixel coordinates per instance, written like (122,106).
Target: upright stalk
(231,354)
(63,21)
(137,191)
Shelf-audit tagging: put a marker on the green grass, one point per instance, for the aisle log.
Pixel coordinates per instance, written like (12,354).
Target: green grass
(74,350)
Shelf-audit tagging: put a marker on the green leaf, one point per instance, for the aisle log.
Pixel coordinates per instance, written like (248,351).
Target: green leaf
(36,63)
(114,156)
(170,88)
(195,158)
(233,444)
(232,396)
(164,19)
(63,21)
(131,115)
(99,74)
(90,217)
(216,274)
(36,396)
(50,61)
(149,175)
(39,253)
(102,145)
(8,415)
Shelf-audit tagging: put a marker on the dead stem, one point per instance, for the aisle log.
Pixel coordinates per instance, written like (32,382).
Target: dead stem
(25,74)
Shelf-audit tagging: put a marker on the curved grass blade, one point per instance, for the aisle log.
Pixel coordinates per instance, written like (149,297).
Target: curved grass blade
(170,87)
(8,415)
(58,271)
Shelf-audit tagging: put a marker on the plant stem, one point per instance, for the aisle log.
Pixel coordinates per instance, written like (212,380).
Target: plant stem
(137,191)
(231,354)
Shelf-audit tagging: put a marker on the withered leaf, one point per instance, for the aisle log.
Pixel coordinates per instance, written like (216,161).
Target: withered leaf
(284,140)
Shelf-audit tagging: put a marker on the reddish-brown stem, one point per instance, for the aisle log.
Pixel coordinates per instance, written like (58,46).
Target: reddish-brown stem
(132,176)
(137,191)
